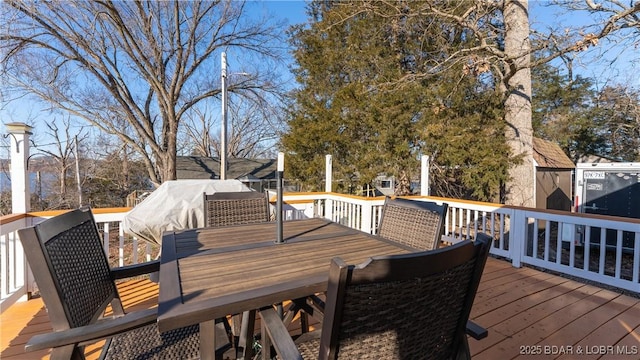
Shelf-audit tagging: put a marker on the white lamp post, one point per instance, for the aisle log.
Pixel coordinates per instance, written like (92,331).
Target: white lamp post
(279,190)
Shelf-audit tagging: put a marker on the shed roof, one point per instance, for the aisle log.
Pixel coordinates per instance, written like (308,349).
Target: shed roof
(549,155)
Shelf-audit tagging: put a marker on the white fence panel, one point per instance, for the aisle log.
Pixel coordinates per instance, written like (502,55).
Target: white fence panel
(15,277)
(590,247)
(13,267)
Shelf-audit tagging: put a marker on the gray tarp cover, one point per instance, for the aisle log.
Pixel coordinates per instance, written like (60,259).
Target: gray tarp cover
(175,205)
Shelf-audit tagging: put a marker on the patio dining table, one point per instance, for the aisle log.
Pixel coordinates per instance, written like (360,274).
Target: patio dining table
(208,273)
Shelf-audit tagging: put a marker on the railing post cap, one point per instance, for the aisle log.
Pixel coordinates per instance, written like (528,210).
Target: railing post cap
(18,128)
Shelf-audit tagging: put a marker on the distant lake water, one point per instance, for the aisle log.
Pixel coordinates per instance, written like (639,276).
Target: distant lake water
(46,180)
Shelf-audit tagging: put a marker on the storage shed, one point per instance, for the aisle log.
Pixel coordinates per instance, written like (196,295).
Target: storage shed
(554,171)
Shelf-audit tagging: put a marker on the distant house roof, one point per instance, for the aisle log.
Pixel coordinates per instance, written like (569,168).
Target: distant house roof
(198,167)
(549,155)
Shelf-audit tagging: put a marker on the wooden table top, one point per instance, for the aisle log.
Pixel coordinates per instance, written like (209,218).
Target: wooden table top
(209,273)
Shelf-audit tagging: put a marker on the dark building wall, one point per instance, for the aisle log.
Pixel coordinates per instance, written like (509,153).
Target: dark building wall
(553,189)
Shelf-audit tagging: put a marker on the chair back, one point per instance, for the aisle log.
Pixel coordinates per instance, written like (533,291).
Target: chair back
(410,306)
(418,224)
(71,269)
(234,208)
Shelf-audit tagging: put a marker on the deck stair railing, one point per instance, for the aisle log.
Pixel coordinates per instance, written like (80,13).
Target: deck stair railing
(602,249)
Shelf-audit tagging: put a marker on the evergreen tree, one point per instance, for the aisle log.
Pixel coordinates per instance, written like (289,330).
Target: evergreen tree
(363,99)
(563,112)
(584,121)
(618,109)
(466,142)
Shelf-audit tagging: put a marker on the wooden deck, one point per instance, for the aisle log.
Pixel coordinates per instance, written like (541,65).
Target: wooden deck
(529,314)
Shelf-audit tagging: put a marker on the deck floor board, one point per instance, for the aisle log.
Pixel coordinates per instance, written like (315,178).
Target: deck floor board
(523,309)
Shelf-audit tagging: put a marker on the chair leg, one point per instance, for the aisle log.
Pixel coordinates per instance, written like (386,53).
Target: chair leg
(304,322)
(208,340)
(299,306)
(463,350)
(67,352)
(226,327)
(236,328)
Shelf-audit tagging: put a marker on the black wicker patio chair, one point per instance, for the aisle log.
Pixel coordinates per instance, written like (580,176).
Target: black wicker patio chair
(76,284)
(235,208)
(418,224)
(411,306)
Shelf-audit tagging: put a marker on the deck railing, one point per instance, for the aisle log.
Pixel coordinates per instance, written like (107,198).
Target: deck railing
(16,280)
(602,249)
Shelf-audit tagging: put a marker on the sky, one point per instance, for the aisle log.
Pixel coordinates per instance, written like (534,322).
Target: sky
(602,63)
(624,69)
(620,62)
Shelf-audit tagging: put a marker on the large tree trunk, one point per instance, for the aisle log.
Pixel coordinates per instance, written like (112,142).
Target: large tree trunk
(63,180)
(519,132)
(169,166)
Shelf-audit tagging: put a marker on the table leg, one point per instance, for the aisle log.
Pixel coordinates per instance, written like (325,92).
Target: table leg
(208,340)
(245,343)
(266,341)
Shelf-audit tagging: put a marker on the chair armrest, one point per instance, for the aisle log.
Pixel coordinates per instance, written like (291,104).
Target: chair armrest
(280,337)
(135,270)
(476,331)
(102,329)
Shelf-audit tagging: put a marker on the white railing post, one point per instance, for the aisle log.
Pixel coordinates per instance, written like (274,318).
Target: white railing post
(328,179)
(20,186)
(517,236)
(14,273)
(367,217)
(424,175)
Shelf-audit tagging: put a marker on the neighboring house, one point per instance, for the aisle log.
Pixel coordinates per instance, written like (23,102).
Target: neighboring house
(382,185)
(554,172)
(258,174)
(386,185)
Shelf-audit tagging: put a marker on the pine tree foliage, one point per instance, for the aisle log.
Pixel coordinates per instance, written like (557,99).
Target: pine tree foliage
(467,144)
(585,121)
(364,99)
(618,108)
(562,112)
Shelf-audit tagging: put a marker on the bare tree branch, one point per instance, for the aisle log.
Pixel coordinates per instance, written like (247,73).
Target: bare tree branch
(134,69)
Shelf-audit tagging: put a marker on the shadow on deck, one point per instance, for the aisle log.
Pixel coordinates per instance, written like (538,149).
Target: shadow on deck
(528,313)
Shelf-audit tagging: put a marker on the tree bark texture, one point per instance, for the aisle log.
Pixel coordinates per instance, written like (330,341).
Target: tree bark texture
(519,132)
